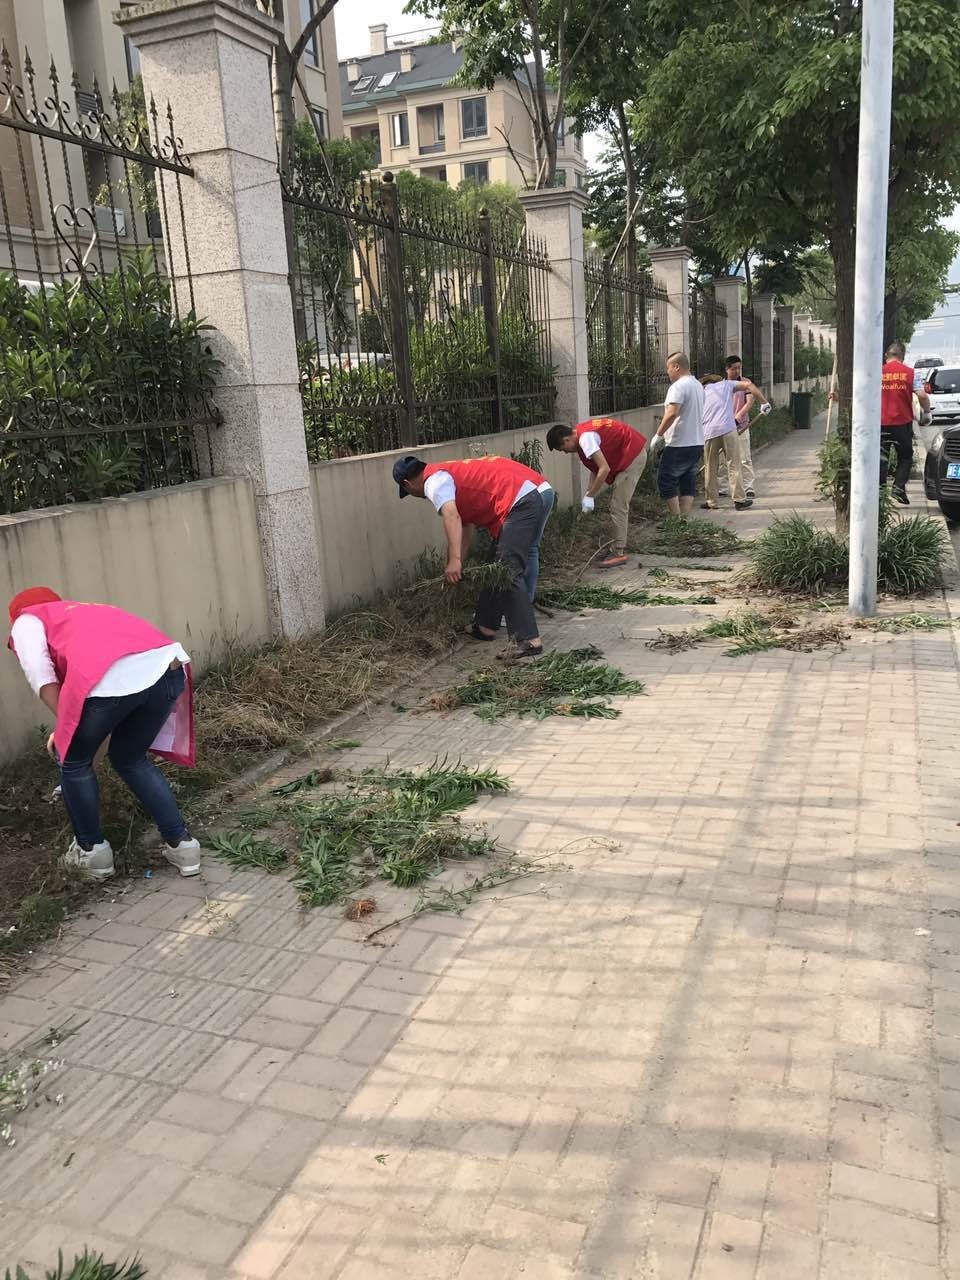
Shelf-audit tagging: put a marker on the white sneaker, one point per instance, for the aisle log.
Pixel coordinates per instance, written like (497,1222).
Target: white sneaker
(96,862)
(185,857)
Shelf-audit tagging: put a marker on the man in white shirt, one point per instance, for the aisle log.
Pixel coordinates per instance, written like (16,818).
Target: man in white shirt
(681,432)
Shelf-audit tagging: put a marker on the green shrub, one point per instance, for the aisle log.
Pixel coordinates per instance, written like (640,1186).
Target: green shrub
(795,555)
(910,555)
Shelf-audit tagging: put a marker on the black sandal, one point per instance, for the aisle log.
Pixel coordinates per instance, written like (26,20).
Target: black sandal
(475,633)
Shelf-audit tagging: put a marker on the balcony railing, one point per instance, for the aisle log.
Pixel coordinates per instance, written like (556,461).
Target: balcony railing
(432,148)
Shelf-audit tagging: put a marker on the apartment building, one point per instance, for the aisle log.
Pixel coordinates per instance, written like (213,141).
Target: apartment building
(80,36)
(401,97)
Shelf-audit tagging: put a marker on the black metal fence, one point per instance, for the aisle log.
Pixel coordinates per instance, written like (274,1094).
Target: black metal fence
(779,351)
(707,331)
(751,344)
(105,373)
(626,335)
(415,323)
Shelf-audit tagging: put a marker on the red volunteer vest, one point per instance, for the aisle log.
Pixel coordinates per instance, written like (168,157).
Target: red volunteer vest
(896,394)
(486,488)
(619,444)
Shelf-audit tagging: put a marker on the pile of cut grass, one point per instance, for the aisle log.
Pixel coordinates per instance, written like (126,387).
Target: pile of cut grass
(392,825)
(676,536)
(756,632)
(574,683)
(597,596)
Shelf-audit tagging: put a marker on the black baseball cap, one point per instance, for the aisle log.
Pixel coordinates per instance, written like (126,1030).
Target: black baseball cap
(405,469)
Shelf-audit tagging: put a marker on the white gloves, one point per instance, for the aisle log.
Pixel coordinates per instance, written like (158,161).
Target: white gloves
(766,408)
(654,443)
(587,504)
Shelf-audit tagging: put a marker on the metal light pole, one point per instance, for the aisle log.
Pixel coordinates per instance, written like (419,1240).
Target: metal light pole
(876,82)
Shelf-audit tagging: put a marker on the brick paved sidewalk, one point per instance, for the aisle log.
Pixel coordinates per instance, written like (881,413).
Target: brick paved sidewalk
(726,1048)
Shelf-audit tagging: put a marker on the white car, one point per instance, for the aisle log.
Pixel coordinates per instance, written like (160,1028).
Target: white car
(942,385)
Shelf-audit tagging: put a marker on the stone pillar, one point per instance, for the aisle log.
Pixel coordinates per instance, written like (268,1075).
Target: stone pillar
(555,214)
(727,290)
(763,304)
(211,59)
(671,269)
(785,316)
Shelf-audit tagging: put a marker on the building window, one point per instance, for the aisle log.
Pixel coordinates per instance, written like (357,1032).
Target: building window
(478,172)
(438,174)
(473,115)
(578,144)
(561,131)
(133,58)
(581,184)
(320,120)
(312,52)
(363,84)
(400,130)
(560,178)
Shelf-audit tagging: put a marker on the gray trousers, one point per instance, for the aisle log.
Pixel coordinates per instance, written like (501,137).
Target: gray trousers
(517,537)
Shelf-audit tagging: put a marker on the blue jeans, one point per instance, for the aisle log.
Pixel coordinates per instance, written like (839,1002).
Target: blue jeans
(134,722)
(548,501)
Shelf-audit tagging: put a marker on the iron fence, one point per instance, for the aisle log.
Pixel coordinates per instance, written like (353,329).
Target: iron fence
(416,323)
(751,344)
(707,331)
(779,352)
(105,372)
(626,336)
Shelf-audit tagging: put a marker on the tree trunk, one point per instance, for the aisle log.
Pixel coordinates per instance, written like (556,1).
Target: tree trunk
(630,242)
(891,313)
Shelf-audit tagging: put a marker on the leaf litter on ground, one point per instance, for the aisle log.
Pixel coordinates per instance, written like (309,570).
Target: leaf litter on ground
(571,683)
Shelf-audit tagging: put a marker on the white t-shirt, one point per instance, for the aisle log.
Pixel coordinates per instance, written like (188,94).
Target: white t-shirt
(590,443)
(687,394)
(441,489)
(127,675)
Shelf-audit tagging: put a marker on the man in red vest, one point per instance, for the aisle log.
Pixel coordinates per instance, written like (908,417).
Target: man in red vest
(513,503)
(896,419)
(617,455)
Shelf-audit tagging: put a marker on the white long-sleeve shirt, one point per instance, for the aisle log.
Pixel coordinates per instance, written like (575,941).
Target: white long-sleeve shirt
(127,675)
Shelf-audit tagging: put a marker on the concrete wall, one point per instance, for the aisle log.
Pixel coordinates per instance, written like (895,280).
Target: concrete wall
(369,538)
(187,558)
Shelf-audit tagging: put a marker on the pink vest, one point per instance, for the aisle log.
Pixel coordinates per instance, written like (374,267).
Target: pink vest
(85,640)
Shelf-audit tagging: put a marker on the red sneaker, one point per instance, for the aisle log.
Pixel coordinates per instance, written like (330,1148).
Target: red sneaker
(613,561)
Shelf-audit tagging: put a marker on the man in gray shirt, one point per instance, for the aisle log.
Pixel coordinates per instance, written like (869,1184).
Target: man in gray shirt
(681,432)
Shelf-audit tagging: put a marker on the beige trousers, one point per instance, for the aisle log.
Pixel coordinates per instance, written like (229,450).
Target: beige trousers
(727,446)
(746,463)
(623,488)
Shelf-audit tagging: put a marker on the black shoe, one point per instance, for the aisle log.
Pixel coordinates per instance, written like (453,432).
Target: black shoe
(901,497)
(742,506)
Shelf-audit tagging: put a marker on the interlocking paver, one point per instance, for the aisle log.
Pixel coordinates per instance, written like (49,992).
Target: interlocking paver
(726,1045)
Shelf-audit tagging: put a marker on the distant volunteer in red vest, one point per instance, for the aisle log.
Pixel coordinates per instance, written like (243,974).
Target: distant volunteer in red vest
(896,418)
(105,673)
(513,503)
(617,455)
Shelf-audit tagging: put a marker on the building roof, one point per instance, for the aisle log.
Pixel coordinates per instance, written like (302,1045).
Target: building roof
(433,65)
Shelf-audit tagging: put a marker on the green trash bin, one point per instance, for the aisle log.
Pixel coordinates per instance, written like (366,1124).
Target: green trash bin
(801,402)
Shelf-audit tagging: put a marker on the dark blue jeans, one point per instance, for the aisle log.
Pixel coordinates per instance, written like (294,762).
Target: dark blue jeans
(132,723)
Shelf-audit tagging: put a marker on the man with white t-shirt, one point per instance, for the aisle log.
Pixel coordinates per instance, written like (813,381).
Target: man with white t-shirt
(681,432)
(513,503)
